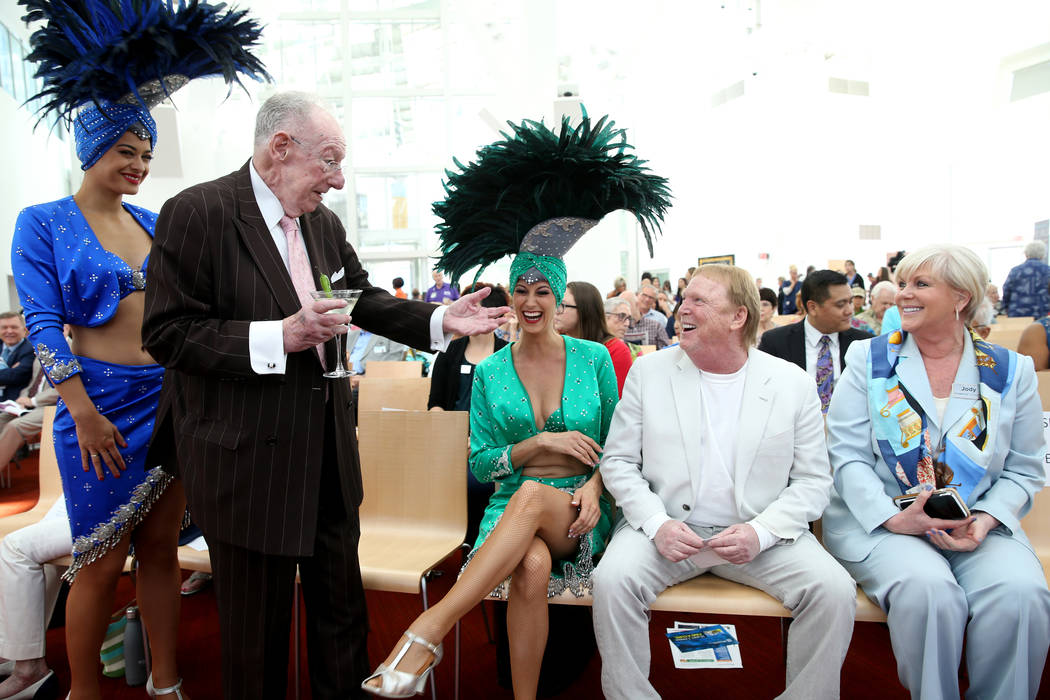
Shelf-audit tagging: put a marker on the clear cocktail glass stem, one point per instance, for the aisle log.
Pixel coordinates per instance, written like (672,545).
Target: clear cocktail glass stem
(349,297)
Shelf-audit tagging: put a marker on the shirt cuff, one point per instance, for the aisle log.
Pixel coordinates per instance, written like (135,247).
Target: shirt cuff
(439,340)
(266,347)
(766,539)
(653,524)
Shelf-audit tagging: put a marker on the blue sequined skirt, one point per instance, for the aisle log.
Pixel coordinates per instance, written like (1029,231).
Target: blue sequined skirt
(102,512)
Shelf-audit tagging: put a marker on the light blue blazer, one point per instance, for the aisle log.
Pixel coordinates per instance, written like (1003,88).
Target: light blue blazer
(864,484)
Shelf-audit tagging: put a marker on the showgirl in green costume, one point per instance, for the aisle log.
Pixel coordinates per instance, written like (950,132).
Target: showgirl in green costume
(540,407)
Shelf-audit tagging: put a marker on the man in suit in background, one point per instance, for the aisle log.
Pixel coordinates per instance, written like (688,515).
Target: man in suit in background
(818,344)
(727,482)
(264,444)
(16,359)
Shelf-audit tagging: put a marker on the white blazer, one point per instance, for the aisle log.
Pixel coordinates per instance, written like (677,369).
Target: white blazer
(651,462)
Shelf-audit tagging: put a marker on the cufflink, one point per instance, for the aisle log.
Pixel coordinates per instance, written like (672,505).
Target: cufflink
(271,365)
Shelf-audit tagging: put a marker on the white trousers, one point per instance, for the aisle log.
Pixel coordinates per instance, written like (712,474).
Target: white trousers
(809,582)
(28,587)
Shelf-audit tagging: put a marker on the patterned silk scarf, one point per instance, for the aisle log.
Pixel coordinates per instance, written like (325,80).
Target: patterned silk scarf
(902,427)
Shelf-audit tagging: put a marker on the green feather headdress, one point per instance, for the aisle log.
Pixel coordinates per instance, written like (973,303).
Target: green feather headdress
(536,175)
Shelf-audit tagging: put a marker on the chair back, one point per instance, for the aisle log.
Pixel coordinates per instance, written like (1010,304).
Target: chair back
(414,471)
(50,481)
(646,349)
(402,393)
(1037,522)
(1013,322)
(1008,337)
(399,368)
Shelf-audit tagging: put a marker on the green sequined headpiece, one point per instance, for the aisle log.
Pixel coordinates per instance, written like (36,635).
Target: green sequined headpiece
(537,191)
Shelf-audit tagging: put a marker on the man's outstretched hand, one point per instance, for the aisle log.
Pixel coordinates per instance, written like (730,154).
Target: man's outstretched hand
(466,315)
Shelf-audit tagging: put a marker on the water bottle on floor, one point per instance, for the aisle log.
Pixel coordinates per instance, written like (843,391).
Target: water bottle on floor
(134,653)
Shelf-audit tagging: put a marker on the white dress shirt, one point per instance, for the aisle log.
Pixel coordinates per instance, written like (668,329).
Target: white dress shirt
(813,349)
(266,338)
(714,503)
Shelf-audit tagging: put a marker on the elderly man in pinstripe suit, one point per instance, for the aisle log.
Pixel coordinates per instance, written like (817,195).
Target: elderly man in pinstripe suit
(264,444)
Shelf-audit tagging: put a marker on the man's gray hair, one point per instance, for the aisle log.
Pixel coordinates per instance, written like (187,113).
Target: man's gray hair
(285,111)
(883,286)
(1036,250)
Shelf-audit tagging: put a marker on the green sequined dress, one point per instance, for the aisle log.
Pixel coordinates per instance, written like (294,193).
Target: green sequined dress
(501,416)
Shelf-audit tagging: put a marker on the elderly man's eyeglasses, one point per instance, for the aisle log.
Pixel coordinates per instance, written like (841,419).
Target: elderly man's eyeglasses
(560,308)
(621,317)
(328,165)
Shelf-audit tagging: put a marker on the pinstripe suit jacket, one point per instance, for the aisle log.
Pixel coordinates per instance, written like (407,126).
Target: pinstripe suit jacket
(248,446)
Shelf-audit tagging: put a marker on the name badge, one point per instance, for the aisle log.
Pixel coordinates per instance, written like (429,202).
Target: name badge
(464,369)
(965,391)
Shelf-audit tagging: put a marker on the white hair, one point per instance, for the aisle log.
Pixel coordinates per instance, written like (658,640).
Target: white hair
(959,267)
(1035,249)
(983,314)
(883,286)
(611,305)
(283,112)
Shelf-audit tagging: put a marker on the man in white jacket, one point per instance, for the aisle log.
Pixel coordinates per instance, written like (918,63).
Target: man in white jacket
(728,485)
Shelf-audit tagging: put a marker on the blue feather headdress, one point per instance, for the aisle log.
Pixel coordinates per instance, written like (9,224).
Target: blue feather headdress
(108,55)
(536,191)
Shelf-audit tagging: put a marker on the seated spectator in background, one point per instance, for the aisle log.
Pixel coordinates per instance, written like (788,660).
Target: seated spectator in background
(983,316)
(398,285)
(648,296)
(619,287)
(818,344)
(29,588)
(643,330)
(369,347)
(853,279)
(858,297)
(441,292)
(788,292)
(1025,289)
(857,321)
(991,293)
(882,295)
(416,295)
(767,306)
(617,319)
(16,360)
(1035,342)
(898,425)
(19,430)
(451,381)
(581,314)
(682,283)
(738,506)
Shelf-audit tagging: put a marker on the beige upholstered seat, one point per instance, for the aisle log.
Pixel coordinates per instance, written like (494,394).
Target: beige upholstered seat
(404,393)
(50,481)
(386,370)
(414,513)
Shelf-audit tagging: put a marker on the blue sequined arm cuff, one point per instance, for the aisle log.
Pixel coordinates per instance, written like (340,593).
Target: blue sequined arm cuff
(39,290)
(59,363)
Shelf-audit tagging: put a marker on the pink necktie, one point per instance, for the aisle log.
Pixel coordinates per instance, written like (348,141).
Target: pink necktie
(299,267)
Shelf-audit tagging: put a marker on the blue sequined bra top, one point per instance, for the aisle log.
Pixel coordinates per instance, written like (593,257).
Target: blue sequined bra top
(64,275)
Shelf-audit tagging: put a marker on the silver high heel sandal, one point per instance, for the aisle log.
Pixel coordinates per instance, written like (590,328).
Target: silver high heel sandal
(399,684)
(153,692)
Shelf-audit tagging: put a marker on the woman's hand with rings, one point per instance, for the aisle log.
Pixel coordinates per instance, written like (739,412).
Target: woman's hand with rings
(99,439)
(573,443)
(586,500)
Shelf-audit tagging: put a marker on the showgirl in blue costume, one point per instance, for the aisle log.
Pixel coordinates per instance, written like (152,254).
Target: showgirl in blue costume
(81,261)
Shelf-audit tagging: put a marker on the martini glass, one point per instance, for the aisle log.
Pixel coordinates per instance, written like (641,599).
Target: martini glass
(349,298)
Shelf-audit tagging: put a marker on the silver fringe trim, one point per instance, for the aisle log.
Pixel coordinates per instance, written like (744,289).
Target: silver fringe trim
(577,578)
(57,371)
(106,535)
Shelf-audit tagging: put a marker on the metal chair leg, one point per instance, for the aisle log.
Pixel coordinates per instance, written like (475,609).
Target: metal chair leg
(426,605)
(295,636)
